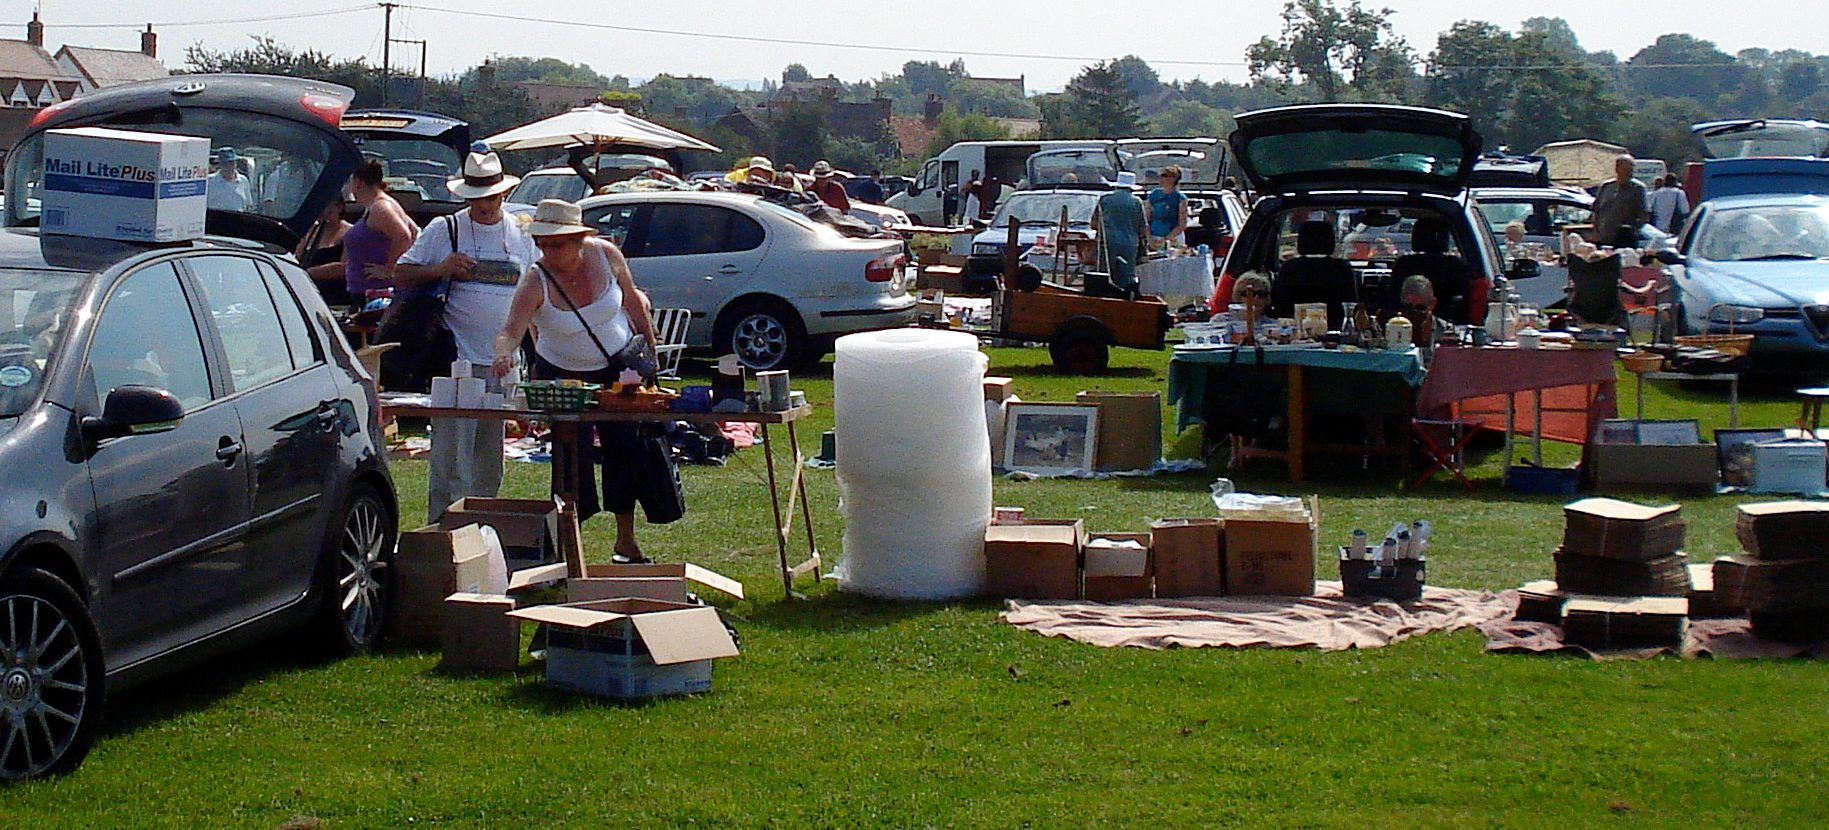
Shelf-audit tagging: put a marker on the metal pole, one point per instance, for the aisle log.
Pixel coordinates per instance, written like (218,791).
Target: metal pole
(387,44)
(419,100)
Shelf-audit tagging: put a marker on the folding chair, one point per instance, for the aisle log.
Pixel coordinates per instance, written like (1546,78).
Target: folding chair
(1445,443)
(670,339)
(1645,293)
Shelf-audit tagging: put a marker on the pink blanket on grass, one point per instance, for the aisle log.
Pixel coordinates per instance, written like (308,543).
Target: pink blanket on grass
(1327,621)
(1723,639)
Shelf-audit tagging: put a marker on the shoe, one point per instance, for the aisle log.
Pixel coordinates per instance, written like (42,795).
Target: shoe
(623,559)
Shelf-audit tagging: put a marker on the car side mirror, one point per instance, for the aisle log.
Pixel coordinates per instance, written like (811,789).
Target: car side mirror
(1670,257)
(134,410)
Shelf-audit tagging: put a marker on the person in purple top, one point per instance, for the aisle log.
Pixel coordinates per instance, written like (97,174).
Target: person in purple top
(373,245)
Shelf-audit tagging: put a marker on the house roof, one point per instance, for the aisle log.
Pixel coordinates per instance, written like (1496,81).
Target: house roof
(912,133)
(110,67)
(19,59)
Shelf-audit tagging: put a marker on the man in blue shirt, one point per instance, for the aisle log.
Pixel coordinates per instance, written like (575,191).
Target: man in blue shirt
(1121,230)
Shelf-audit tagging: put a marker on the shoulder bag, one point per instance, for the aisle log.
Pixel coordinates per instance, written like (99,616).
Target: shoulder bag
(416,320)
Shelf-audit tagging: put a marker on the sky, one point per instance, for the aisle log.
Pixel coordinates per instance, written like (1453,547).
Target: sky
(1046,42)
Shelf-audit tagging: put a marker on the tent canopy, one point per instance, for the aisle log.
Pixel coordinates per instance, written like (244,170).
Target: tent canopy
(1582,162)
(594,126)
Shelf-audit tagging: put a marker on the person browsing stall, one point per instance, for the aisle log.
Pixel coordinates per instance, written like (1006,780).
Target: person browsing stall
(375,243)
(1121,229)
(583,304)
(1620,207)
(475,258)
(828,188)
(1167,207)
(227,188)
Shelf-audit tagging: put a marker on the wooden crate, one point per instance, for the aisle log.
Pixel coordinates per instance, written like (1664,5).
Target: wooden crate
(1039,314)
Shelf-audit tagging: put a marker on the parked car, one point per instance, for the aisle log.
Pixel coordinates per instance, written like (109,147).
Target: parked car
(1363,170)
(546,183)
(196,453)
(1204,163)
(1758,265)
(934,192)
(1544,212)
(763,282)
(1038,213)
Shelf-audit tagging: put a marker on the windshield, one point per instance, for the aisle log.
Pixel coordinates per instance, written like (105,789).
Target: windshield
(276,163)
(1045,208)
(415,165)
(1766,233)
(1313,151)
(1071,166)
(1765,139)
(565,185)
(1197,166)
(34,309)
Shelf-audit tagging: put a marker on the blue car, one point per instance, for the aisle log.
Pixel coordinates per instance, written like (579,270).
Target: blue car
(1758,265)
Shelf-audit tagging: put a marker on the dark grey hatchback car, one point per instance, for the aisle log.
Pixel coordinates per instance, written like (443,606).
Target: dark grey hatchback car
(192,460)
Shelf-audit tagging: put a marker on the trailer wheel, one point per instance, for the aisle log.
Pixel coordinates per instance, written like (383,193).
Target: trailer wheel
(1080,347)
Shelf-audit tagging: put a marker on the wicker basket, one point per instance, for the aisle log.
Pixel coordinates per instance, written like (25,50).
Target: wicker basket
(1640,362)
(551,396)
(1735,344)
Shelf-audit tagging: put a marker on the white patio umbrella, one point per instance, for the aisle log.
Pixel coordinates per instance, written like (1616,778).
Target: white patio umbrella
(596,125)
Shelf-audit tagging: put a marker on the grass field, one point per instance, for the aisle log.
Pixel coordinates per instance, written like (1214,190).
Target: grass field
(848,713)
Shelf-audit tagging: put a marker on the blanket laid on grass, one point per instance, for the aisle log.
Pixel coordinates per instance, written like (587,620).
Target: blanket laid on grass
(1327,621)
(1724,639)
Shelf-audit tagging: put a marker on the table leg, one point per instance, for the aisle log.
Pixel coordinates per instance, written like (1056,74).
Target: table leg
(1511,425)
(806,509)
(1298,429)
(1639,411)
(774,499)
(1733,402)
(565,449)
(1537,426)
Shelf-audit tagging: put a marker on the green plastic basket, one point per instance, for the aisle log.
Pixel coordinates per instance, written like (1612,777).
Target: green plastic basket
(549,396)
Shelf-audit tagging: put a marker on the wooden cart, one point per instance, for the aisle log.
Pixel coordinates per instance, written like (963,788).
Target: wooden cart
(1079,329)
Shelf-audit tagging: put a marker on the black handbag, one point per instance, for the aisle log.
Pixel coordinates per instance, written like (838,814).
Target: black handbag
(657,477)
(416,320)
(1252,403)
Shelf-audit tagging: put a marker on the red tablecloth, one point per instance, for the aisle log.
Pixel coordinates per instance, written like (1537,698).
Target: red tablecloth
(1577,386)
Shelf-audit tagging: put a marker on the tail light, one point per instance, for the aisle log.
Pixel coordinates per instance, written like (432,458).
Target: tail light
(324,107)
(1225,244)
(885,267)
(1222,293)
(45,114)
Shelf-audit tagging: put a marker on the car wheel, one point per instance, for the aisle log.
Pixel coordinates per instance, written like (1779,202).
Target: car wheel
(355,579)
(763,335)
(52,679)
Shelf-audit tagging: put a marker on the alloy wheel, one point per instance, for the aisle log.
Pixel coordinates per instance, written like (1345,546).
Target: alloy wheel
(760,341)
(361,567)
(44,686)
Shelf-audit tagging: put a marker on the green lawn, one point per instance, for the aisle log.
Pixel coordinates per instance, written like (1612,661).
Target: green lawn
(851,713)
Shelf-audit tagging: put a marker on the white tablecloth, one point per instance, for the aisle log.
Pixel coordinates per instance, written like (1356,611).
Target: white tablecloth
(1186,276)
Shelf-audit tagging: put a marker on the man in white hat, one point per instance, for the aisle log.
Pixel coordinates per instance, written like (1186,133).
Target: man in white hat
(474,257)
(828,188)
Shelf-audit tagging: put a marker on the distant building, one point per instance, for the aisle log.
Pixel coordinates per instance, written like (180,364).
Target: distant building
(30,80)
(866,120)
(96,68)
(827,88)
(551,99)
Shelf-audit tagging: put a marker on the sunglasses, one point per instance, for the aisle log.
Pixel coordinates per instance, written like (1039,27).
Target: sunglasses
(1250,292)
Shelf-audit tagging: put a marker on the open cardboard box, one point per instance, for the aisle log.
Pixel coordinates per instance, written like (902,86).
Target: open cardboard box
(526,526)
(1273,554)
(652,581)
(429,565)
(1038,559)
(1117,572)
(631,648)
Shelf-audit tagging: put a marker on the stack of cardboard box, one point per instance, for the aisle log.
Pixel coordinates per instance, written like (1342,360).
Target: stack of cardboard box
(1625,622)
(1782,581)
(1617,548)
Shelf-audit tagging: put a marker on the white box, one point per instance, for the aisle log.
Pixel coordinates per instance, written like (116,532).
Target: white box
(1789,466)
(119,184)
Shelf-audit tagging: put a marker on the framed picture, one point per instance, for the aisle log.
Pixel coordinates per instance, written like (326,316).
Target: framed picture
(1618,431)
(1669,432)
(1050,438)
(1734,453)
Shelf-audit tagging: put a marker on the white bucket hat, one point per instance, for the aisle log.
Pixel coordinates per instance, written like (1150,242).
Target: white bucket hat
(557,217)
(482,177)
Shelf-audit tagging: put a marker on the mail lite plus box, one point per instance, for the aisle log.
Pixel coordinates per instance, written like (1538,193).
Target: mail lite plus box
(1033,560)
(1189,557)
(479,635)
(1270,556)
(631,648)
(1117,566)
(120,184)
(1663,465)
(651,581)
(429,565)
(1130,429)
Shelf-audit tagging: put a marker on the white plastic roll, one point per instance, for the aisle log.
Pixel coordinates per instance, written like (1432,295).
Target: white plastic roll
(915,477)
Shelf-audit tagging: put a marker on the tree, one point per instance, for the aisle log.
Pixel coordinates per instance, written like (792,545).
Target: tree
(1095,105)
(1190,118)
(1799,80)
(1460,76)
(1140,80)
(989,98)
(1684,66)
(955,127)
(1660,130)
(795,72)
(929,77)
(511,69)
(798,133)
(1333,49)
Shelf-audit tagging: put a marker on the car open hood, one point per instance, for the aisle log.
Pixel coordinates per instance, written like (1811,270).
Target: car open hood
(1507,170)
(1763,138)
(1779,284)
(1753,176)
(1356,146)
(1207,153)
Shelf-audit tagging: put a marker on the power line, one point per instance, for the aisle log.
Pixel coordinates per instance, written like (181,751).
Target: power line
(221,21)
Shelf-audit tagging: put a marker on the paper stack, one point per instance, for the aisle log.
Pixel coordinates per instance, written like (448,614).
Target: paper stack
(1783,579)
(1614,623)
(1617,548)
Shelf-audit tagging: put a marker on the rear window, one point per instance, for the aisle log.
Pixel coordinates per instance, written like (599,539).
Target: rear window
(1764,139)
(1380,234)
(567,186)
(1371,150)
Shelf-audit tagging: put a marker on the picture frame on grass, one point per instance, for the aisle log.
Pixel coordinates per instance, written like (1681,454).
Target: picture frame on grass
(1047,438)
(1667,433)
(1618,431)
(1734,453)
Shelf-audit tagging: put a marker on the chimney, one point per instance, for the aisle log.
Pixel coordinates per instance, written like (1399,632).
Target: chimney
(485,76)
(34,32)
(930,111)
(149,42)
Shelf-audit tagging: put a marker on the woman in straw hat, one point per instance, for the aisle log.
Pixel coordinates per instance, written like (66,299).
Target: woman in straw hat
(474,257)
(582,302)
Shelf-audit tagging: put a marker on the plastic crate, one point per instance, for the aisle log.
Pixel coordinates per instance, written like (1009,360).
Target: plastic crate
(1543,480)
(551,396)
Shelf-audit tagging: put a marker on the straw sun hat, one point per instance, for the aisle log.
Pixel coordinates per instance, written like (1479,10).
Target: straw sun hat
(557,217)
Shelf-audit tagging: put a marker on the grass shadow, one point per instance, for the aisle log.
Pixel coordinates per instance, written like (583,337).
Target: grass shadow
(836,612)
(199,686)
(1048,371)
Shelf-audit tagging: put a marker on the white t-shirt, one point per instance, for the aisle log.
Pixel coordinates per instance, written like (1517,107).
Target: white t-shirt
(228,195)
(478,306)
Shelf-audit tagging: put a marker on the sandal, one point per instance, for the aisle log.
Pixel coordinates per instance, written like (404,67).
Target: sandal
(625,559)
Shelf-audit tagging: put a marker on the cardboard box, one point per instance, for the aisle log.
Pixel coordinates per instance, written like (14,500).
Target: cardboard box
(1637,622)
(1772,585)
(1037,559)
(651,581)
(1117,573)
(1272,555)
(527,527)
(429,565)
(1666,576)
(120,184)
(1189,556)
(479,635)
(1130,429)
(1540,601)
(631,648)
(1662,465)
(1622,530)
(1783,529)
(998,390)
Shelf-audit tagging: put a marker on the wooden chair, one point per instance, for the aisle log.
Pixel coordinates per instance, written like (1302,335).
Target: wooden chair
(1445,445)
(670,339)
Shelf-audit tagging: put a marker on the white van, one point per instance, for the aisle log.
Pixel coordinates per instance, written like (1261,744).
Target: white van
(926,201)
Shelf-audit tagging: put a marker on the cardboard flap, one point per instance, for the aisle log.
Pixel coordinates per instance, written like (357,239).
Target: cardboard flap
(489,600)
(1582,603)
(1034,533)
(684,635)
(703,576)
(714,580)
(1622,511)
(568,616)
(536,576)
(1779,508)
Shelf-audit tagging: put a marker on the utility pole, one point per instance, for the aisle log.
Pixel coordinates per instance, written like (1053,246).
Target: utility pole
(387,42)
(419,95)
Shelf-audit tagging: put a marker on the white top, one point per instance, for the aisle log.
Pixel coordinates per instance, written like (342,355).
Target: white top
(1665,203)
(476,308)
(562,340)
(235,195)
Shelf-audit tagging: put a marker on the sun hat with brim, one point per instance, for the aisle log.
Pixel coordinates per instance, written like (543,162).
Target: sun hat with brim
(822,168)
(557,217)
(482,178)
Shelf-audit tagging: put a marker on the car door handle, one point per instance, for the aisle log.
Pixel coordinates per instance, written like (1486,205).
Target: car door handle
(327,415)
(227,449)
(730,269)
